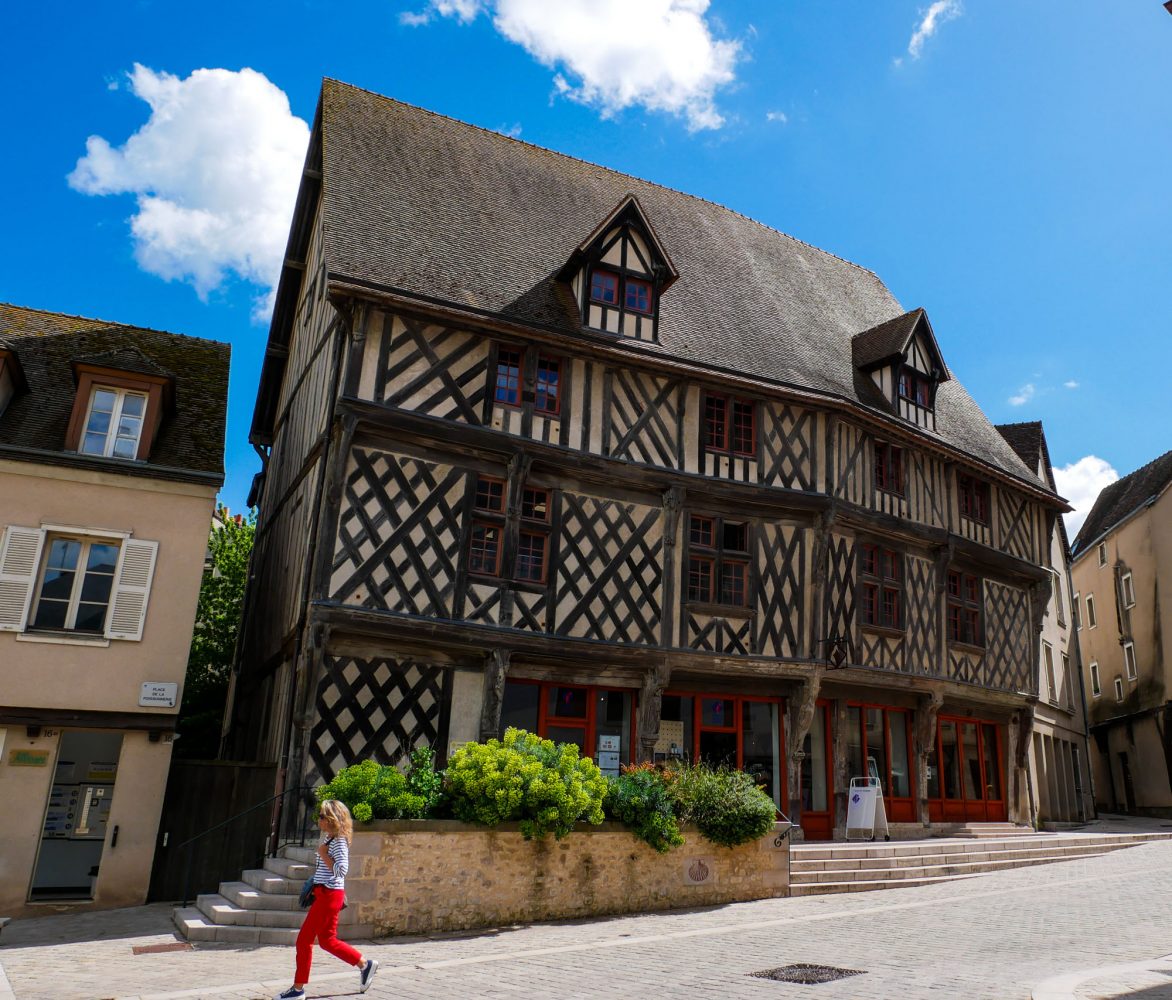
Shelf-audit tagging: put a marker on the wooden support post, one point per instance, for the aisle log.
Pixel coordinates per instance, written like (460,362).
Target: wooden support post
(496,671)
(1021,728)
(841,768)
(673,504)
(801,711)
(926,712)
(655,681)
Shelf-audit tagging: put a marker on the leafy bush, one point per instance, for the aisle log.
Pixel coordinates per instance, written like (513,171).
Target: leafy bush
(374,791)
(523,777)
(639,799)
(425,781)
(726,805)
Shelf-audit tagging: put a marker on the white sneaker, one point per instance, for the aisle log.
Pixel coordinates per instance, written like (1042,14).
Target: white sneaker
(367,977)
(292,993)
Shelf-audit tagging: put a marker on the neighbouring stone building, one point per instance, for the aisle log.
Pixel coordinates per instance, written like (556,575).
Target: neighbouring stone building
(111,452)
(551,446)
(1060,779)
(1123,581)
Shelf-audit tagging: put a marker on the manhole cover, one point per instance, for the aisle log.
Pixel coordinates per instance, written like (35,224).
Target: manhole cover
(808,975)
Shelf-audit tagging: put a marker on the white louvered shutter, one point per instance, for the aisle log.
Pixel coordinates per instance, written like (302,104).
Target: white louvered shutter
(20,555)
(132,589)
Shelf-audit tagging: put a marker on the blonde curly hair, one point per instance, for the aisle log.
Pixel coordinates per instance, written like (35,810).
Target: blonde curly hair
(338,816)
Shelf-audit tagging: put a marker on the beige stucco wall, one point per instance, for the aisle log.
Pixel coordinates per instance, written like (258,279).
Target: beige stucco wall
(423,876)
(108,676)
(101,675)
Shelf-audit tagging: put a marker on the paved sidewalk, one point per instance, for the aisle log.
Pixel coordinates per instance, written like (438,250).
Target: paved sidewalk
(999,937)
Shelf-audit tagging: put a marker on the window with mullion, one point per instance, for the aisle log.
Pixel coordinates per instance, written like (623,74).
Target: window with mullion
(730,425)
(509,364)
(113,425)
(76,583)
(718,561)
(889,468)
(974,498)
(485,544)
(965,618)
(881,585)
(547,398)
(916,387)
(533,539)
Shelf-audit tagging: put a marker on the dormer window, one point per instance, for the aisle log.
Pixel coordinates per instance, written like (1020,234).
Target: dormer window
(117,411)
(916,388)
(113,425)
(905,365)
(619,273)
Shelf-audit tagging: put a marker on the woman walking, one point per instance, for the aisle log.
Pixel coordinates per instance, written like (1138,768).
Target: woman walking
(329,895)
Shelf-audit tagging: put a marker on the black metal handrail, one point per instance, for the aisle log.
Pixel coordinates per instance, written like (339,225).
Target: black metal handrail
(273,841)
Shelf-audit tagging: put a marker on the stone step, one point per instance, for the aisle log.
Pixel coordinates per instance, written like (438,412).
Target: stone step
(220,910)
(267,881)
(249,897)
(303,855)
(799,864)
(289,868)
(825,888)
(195,926)
(926,871)
(945,846)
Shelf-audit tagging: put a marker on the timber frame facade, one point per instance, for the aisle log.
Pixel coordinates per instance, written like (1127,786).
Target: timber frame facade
(472,516)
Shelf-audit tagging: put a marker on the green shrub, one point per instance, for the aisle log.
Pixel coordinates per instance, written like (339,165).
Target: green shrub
(425,781)
(726,805)
(373,791)
(639,800)
(547,788)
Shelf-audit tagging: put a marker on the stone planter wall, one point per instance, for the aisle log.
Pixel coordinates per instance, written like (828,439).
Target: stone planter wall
(418,876)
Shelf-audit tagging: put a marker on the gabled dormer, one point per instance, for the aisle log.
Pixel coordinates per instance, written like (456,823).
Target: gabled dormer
(904,361)
(12,381)
(119,404)
(619,272)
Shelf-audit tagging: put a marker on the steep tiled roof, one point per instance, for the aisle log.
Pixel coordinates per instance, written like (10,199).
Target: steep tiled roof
(1025,439)
(446,212)
(885,340)
(1124,497)
(190,438)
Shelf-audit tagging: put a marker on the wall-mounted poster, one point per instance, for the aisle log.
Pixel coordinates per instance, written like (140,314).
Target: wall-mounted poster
(671,740)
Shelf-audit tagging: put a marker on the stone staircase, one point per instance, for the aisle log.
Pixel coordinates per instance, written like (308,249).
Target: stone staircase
(857,867)
(261,908)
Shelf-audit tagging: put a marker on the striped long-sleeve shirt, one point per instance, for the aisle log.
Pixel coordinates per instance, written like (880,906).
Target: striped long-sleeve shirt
(340,852)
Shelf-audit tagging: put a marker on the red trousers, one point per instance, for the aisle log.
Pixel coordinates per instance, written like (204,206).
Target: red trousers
(321,924)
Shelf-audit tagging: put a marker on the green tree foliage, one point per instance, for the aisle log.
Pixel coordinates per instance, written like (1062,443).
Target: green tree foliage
(213,643)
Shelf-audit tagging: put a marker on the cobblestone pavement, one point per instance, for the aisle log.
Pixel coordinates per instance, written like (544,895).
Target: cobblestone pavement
(1000,936)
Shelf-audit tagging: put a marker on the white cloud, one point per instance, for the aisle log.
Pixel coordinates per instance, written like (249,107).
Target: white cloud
(512,131)
(612,54)
(1081,482)
(939,12)
(776,116)
(1023,395)
(215,171)
(1071,384)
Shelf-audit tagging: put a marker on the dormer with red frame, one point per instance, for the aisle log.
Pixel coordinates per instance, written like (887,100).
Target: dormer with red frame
(619,272)
(904,362)
(12,380)
(119,405)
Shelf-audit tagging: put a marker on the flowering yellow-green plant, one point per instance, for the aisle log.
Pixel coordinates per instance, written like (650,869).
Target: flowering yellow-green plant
(547,787)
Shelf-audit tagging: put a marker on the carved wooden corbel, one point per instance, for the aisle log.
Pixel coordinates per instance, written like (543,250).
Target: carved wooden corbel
(496,671)
(655,682)
(673,505)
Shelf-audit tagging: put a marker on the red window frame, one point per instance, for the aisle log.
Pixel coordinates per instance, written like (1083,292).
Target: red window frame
(532,498)
(632,303)
(495,497)
(889,468)
(513,360)
(965,609)
(941,809)
(548,390)
(526,549)
(881,586)
(602,280)
(588,723)
(916,388)
(974,498)
(478,549)
(902,807)
(730,424)
(716,574)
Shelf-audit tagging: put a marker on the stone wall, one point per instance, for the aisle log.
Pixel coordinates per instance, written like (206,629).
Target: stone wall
(411,877)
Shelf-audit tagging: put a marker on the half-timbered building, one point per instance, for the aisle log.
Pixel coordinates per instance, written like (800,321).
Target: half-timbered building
(551,446)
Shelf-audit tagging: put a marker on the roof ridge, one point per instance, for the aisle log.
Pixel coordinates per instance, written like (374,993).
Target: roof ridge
(1136,472)
(112,322)
(600,166)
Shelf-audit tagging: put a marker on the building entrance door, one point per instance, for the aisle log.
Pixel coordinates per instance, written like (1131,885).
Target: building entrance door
(817,784)
(968,786)
(76,815)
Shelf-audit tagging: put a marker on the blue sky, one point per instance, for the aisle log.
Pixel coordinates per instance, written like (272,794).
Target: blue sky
(1003,164)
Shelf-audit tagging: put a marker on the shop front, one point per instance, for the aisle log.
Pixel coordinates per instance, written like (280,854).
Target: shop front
(878,741)
(966,772)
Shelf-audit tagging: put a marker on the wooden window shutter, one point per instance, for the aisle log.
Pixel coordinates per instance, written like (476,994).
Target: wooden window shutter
(20,556)
(132,588)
